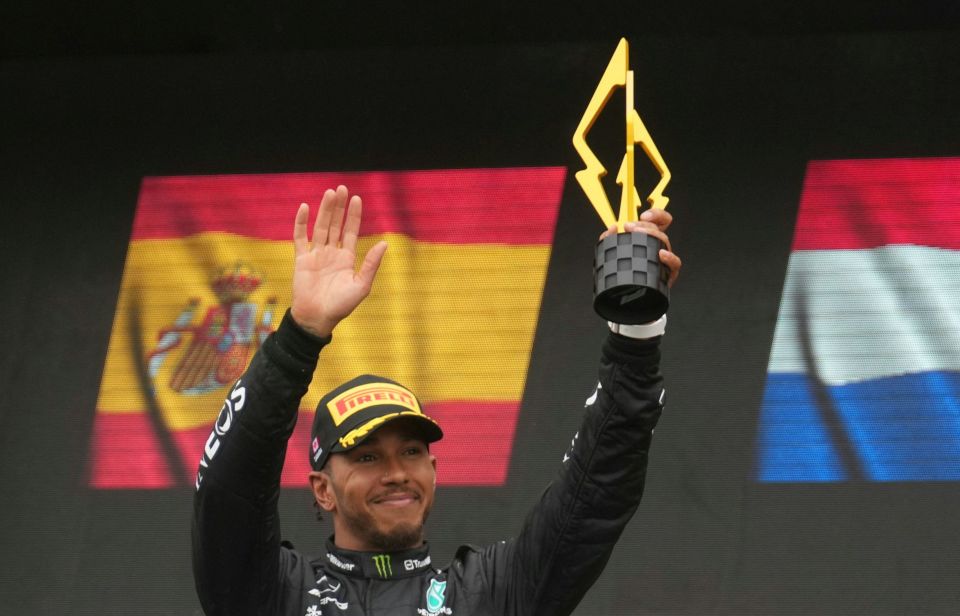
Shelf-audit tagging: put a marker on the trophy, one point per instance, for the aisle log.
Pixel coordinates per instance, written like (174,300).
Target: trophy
(630,283)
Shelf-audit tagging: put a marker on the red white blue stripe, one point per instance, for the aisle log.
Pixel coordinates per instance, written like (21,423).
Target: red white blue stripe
(863,381)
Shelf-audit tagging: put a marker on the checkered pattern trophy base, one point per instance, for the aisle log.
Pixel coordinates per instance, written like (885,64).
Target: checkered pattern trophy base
(630,283)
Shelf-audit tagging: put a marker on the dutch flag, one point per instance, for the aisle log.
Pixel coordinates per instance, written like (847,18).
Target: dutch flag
(863,381)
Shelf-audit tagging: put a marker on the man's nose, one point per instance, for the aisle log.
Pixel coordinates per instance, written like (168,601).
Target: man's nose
(394,471)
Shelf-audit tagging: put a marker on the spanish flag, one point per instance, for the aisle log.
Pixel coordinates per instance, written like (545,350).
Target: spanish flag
(207,276)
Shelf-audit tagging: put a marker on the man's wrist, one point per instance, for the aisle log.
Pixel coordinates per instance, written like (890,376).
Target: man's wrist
(294,348)
(320,329)
(642,331)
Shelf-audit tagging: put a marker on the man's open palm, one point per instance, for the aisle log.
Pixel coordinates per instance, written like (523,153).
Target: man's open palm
(326,286)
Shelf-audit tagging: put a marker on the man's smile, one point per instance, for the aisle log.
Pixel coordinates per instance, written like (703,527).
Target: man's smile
(397,499)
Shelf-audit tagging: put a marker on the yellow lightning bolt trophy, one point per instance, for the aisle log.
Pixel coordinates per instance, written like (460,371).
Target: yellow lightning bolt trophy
(630,283)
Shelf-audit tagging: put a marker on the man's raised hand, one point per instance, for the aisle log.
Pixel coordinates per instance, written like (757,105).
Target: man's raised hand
(655,222)
(326,285)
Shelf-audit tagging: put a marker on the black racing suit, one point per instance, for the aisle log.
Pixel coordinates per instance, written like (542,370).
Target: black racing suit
(241,568)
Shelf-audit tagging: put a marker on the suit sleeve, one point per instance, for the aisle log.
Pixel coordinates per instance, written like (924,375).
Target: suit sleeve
(238,564)
(568,537)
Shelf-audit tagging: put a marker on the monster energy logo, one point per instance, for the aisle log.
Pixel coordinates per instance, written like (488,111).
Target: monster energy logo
(382,561)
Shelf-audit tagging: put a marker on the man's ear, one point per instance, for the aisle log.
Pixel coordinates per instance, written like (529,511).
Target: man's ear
(320,483)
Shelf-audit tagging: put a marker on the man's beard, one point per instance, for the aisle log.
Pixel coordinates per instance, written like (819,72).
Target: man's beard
(399,537)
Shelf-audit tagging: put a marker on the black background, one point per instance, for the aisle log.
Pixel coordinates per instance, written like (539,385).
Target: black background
(737,107)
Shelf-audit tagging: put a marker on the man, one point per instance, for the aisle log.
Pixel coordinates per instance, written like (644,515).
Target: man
(374,474)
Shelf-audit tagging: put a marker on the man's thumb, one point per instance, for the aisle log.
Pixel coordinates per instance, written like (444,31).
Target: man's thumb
(371,262)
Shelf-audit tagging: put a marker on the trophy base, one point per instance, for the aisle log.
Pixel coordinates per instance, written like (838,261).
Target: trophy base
(630,283)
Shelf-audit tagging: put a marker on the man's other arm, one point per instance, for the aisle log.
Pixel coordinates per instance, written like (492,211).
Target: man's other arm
(568,537)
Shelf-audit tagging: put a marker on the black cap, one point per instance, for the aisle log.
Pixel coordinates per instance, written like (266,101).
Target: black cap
(352,412)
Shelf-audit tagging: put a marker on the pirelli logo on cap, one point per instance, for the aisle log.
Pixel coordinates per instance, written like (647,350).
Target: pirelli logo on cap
(371,394)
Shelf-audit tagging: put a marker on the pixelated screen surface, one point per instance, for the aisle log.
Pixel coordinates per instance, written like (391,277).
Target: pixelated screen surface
(805,460)
(863,376)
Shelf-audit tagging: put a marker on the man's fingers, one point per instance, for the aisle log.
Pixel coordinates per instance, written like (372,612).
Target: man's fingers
(611,230)
(321,227)
(336,219)
(654,222)
(371,263)
(650,229)
(300,243)
(673,262)
(351,228)
(660,218)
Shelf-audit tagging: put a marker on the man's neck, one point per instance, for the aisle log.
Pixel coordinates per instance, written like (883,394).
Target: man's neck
(379,564)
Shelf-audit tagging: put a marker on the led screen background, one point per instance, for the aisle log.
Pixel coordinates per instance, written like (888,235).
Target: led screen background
(737,118)
(861,384)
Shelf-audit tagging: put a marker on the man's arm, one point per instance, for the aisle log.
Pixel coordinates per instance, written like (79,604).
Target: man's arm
(239,567)
(569,535)
(236,530)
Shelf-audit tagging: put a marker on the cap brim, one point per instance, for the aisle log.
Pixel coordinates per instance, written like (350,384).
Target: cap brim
(429,429)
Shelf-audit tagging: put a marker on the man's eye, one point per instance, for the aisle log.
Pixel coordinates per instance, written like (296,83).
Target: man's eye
(367,457)
(414,451)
